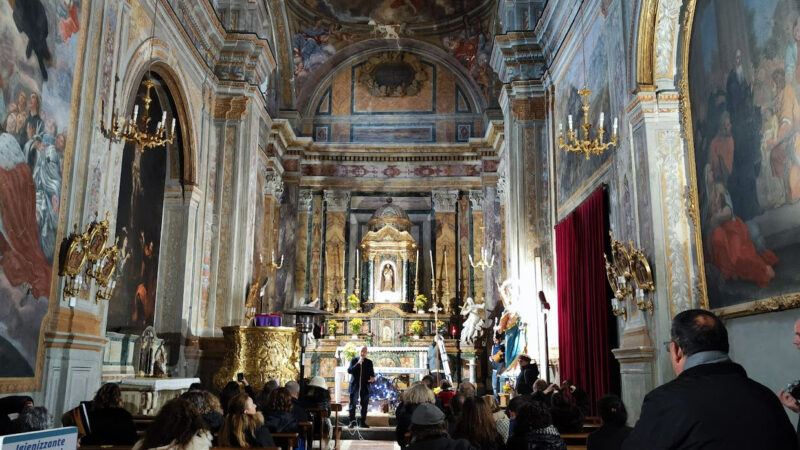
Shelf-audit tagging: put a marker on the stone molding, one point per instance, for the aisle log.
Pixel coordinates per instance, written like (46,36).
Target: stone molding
(476,200)
(445,201)
(304,200)
(273,185)
(337,201)
(231,108)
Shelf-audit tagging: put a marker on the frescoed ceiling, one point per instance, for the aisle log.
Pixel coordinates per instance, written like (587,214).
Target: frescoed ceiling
(388,12)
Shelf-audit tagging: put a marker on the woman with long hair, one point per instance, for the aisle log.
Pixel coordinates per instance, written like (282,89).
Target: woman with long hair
(244,426)
(501,420)
(414,396)
(110,423)
(477,425)
(178,426)
(277,411)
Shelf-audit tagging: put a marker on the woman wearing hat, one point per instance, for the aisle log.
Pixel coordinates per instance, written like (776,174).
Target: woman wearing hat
(317,396)
(429,431)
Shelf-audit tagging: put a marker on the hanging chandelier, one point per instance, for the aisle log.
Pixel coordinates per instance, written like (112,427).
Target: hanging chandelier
(587,145)
(136,129)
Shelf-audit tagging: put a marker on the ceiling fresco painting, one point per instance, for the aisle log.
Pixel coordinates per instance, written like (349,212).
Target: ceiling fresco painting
(390,11)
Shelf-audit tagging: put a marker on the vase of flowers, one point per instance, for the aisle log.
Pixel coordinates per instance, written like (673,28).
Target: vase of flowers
(355,327)
(333,327)
(349,352)
(416,328)
(441,327)
(353,303)
(420,302)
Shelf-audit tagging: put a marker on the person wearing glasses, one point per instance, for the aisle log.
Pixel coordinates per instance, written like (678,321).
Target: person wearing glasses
(711,404)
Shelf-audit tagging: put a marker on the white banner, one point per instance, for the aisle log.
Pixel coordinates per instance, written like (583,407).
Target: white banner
(57,439)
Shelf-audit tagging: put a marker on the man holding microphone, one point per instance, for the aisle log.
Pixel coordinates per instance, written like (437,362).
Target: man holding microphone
(361,375)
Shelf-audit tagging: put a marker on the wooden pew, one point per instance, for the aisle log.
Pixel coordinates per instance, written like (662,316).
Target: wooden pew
(286,441)
(336,408)
(575,438)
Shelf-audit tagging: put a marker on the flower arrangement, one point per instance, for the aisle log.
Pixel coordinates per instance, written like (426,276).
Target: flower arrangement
(333,326)
(349,351)
(352,301)
(440,326)
(420,302)
(355,326)
(416,327)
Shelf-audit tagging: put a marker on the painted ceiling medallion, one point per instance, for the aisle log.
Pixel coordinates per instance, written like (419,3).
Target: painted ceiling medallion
(393,74)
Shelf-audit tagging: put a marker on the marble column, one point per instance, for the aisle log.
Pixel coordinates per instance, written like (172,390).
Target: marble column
(302,289)
(337,203)
(476,244)
(273,193)
(315,274)
(444,206)
(288,245)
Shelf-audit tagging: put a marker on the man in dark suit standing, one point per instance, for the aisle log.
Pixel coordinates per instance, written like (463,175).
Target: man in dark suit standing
(361,375)
(712,403)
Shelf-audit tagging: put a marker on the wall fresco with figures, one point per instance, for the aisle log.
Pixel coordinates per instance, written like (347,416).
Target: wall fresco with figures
(39,43)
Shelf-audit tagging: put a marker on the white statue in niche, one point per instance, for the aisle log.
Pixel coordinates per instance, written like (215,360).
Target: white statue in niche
(472,325)
(387,278)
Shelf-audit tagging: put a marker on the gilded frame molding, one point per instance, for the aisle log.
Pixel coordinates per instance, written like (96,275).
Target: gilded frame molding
(772,304)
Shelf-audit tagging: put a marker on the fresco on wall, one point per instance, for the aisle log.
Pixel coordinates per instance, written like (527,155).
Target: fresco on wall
(574,170)
(744,81)
(38,47)
(139,212)
(390,11)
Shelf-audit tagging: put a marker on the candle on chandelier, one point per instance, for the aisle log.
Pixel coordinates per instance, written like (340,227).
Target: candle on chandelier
(569,120)
(560,129)
(173,126)
(164,117)
(135,112)
(615,126)
(602,119)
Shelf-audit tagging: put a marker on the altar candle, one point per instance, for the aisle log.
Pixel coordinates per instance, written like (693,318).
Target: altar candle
(416,269)
(358,262)
(433,269)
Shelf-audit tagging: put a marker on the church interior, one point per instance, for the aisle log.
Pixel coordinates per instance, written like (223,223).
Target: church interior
(207,191)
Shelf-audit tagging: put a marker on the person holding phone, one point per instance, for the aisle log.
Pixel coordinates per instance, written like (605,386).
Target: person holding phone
(362,374)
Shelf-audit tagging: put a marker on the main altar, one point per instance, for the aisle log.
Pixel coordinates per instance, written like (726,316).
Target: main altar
(387,313)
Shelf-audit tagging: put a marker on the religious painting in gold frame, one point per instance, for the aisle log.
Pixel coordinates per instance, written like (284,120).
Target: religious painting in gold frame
(745,182)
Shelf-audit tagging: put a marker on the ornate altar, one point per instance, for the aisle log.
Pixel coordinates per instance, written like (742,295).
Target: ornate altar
(261,353)
(388,257)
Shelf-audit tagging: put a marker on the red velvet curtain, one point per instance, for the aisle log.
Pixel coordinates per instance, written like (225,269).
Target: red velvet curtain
(582,298)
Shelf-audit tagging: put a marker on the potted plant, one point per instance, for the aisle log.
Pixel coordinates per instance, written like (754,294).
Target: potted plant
(416,328)
(333,327)
(353,303)
(355,327)
(420,302)
(349,352)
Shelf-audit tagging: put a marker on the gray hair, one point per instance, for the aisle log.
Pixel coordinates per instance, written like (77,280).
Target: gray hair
(293,387)
(34,418)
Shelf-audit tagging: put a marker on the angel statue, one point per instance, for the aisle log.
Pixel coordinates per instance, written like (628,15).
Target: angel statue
(510,323)
(472,325)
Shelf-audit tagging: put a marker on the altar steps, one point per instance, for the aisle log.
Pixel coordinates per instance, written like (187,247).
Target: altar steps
(381,427)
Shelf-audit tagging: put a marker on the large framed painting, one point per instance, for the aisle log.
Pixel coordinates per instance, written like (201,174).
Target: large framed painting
(742,118)
(41,42)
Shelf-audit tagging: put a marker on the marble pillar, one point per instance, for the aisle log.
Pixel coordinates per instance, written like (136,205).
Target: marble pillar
(288,238)
(444,205)
(273,193)
(302,289)
(314,277)
(336,206)
(476,244)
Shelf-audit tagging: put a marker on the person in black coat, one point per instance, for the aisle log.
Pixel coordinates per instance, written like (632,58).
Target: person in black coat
(361,375)
(277,412)
(411,398)
(613,431)
(428,431)
(12,404)
(110,423)
(298,411)
(567,418)
(712,403)
(528,373)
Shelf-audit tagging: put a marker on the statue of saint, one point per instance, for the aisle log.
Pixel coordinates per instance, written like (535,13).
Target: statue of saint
(387,278)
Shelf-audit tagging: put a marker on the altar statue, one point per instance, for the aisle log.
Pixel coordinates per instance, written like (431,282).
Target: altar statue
(473,323)
(387,278)
(510,323)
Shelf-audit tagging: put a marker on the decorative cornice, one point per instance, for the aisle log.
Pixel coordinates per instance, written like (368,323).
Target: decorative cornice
(529,108)
(518,56)
(231,108)
(476,200)
(337,201)
(445,201)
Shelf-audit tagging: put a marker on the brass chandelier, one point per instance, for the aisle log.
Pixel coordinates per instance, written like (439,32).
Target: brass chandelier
(136,130)
(587,145)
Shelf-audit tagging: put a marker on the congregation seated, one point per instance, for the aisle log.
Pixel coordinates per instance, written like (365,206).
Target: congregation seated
(567,418)
(477,426)
(109,422)
(232,389)
(318,396)
(542,391)
(533,428)
(209,407)
(298,411)
(429,381)
(614,431)
(269,386)
(12,404)
(501,420)
(429,431)
(467,389)
(447,392)
(244,426)
(580,397)
(409,401)
(32,418)
(277,411)
(453,411)
(177,426)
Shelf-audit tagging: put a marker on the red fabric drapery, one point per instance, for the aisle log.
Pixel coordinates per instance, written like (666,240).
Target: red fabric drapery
(582,298)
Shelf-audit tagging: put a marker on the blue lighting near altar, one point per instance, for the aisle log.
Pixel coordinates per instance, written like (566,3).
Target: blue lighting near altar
(383,389)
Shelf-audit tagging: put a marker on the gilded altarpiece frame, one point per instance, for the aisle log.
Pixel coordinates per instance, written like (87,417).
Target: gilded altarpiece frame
(713,194)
